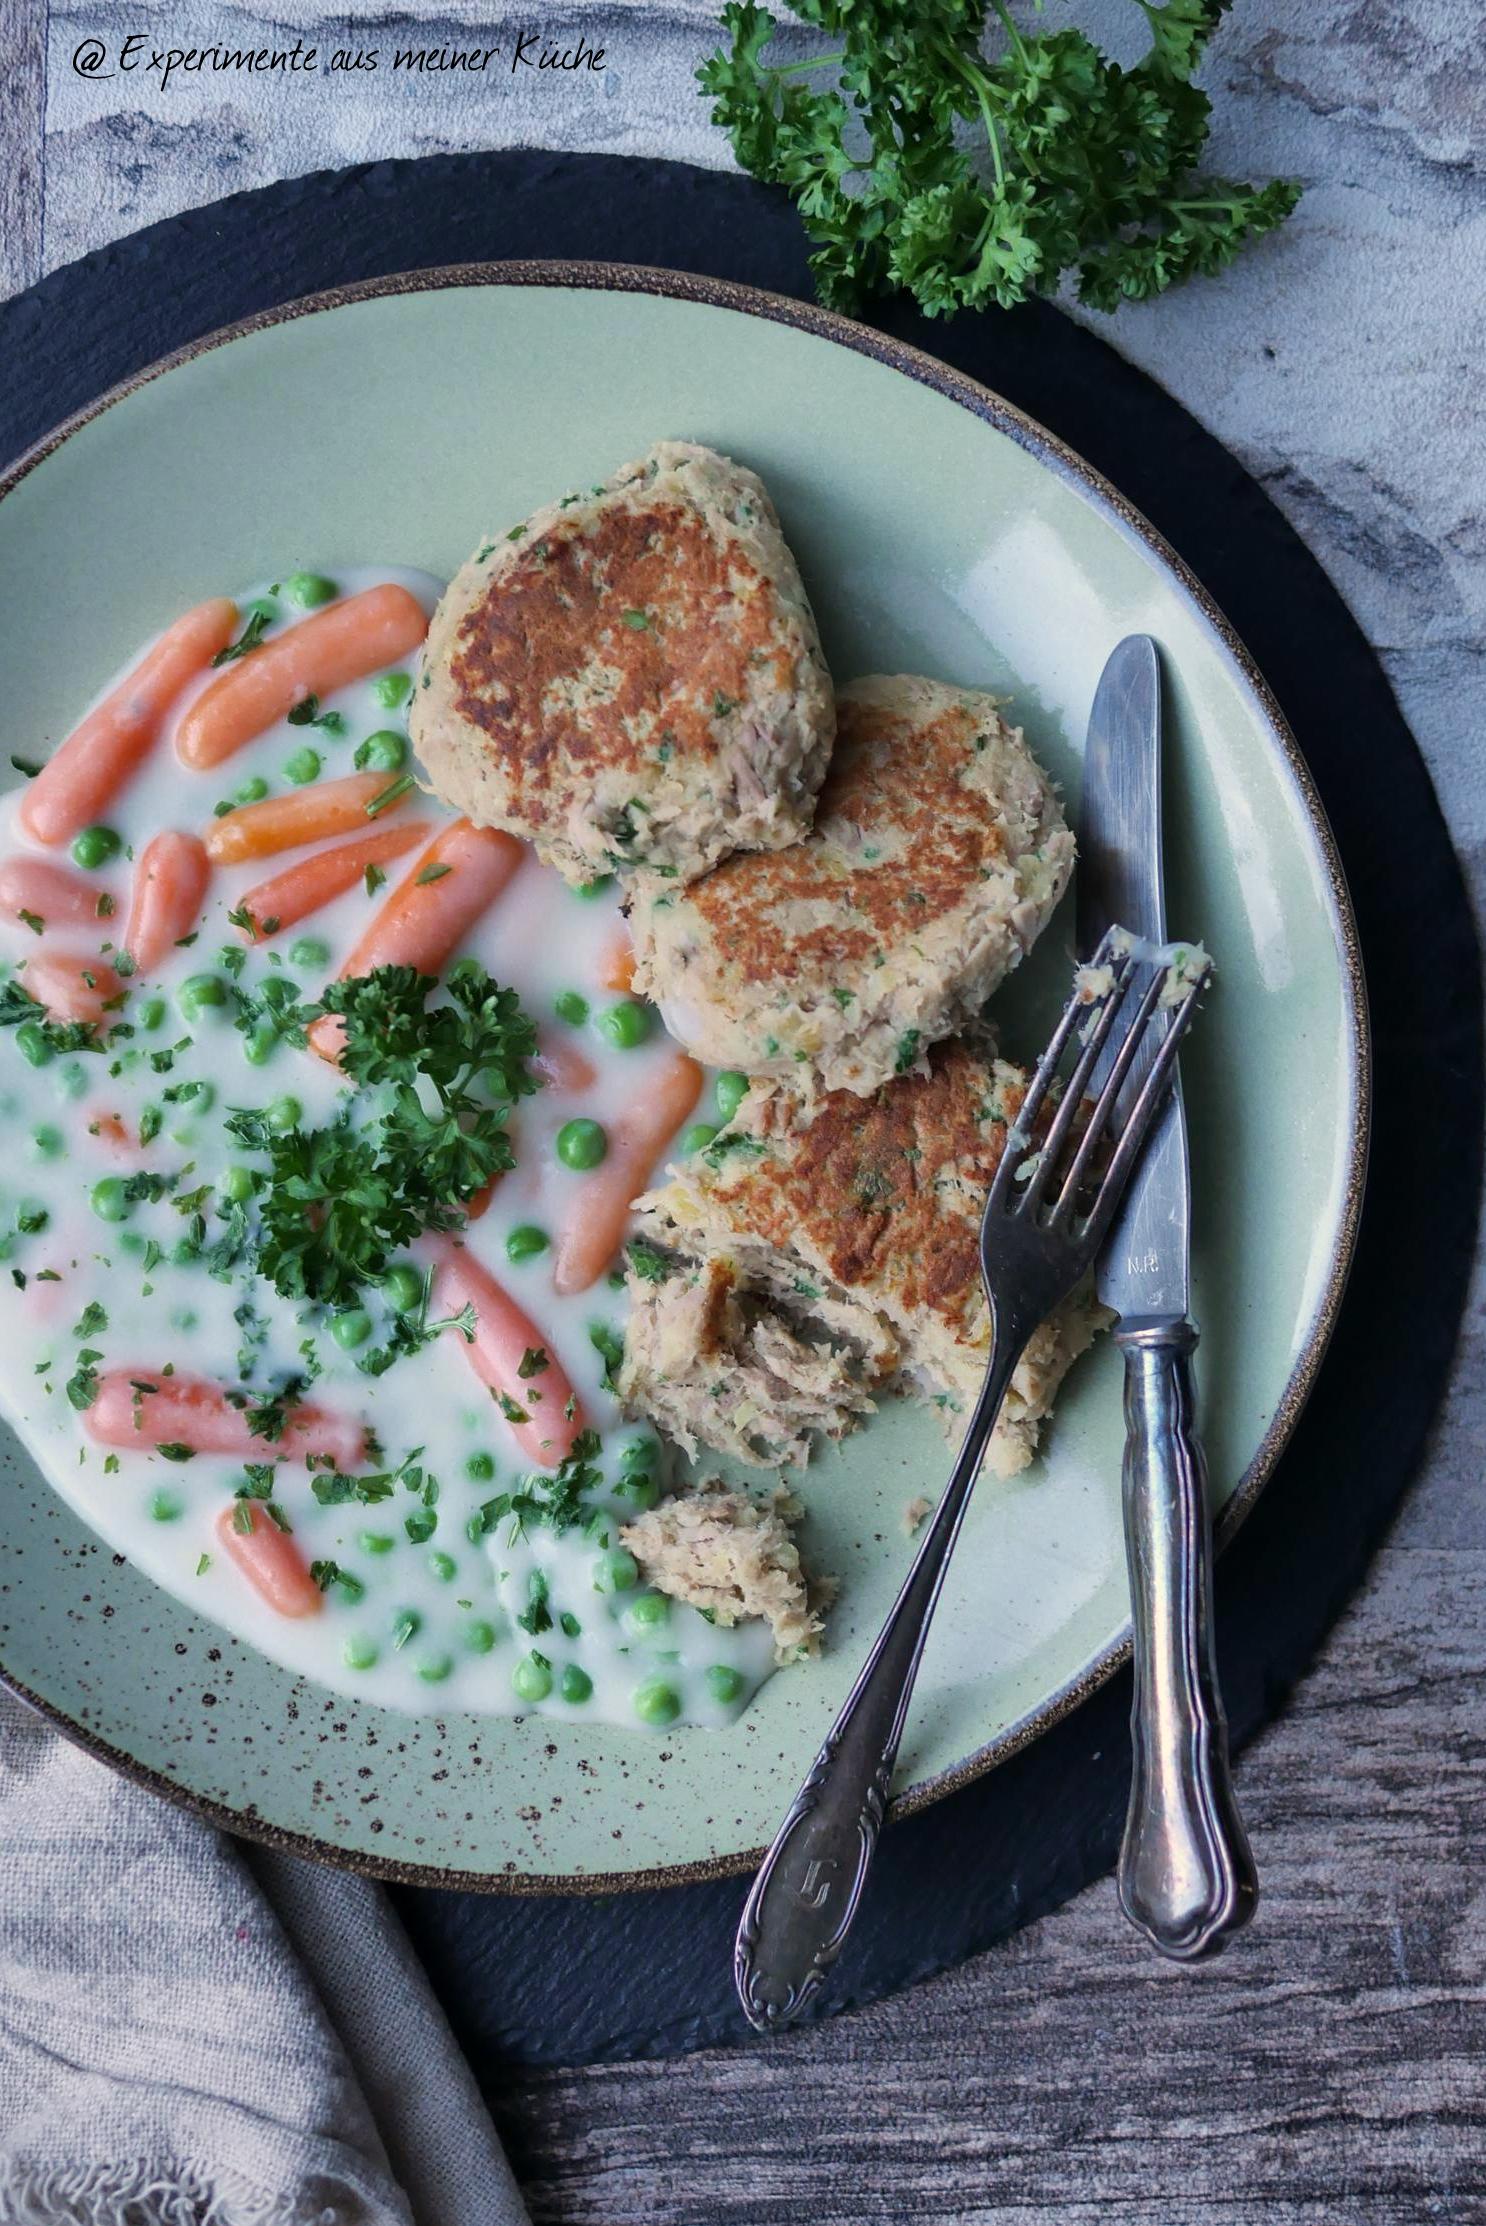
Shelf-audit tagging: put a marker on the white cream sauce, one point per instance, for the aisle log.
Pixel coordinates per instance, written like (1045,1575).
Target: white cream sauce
(435,1625)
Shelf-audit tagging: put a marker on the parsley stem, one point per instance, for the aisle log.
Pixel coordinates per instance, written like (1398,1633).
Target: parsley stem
(390,795)
(811,62)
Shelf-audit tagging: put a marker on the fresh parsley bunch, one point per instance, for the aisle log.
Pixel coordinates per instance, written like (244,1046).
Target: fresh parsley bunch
(968,177)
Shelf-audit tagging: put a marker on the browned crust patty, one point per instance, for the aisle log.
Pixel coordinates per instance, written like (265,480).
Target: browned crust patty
(937,855)
(634,678)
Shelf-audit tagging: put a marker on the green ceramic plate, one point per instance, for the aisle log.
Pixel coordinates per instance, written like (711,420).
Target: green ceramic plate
(938,531)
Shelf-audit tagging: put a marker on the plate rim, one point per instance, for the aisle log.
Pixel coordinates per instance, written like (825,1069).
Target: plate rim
(991,408)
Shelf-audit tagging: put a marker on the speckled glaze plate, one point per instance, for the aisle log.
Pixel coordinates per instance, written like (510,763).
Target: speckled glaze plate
(939,531)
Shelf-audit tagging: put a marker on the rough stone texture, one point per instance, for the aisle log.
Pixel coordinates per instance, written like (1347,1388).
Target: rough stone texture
(1328,2071)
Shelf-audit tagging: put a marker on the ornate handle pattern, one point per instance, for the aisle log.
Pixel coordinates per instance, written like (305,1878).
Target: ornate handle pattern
(1186,1874)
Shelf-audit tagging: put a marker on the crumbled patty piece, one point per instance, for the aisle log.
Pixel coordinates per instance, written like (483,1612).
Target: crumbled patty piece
(632,678)
(857,1222)
(732,1555)
(937,856)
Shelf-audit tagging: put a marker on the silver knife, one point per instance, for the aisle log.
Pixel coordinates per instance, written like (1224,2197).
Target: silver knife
(1186,1875)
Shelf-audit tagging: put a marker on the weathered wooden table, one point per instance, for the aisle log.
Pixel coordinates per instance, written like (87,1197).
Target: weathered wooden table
(1333,2066)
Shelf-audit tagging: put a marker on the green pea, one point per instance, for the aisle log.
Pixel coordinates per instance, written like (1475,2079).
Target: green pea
(71,1081)
(198,1097)
(404,1288)
(656,1702)
(698,1136)
(597,888)
(309,952)
(110,1198)
(479,1636)
(525,1242)
(283,1114)
(252,791)
(183,1318)
(575,1685)
(382,752)
(723,1682)
(732,1089)
(570,1006)
(531,1678)
(200,993)
(615,1571)
(433,1668)
(359,1654)
(303,767)
(581,1144)
(236,1185)
(392,689)
(638,1490)
(165,1507)
(480,1467)
(376,1541)
(310,589)
(351,1328)
(625,1025)
(184,1253)
(95,846)
(260,1046)
(151,1013)
(648,1612)
(31,1042)
(47,1142)
(443,1566)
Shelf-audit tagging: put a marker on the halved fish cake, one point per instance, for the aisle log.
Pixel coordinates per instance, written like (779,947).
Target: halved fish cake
(632,678)
(813,1255)
(937,855)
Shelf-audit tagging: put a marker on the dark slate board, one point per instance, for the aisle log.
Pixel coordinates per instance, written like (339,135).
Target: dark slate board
(574,1980)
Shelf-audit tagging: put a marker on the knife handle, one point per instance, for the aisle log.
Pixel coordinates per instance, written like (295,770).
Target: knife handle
(1186,1874)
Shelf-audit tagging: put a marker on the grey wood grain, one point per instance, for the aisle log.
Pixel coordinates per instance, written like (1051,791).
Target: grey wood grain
(1328,2071)
(22,131)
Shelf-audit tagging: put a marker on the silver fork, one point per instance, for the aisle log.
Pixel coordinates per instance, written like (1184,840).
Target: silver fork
(1045,1217)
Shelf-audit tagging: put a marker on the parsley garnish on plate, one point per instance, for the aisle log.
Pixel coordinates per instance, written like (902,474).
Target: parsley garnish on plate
(965,178)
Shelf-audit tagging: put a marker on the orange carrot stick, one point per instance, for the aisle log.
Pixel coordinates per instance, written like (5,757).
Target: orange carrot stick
(169,884)
(593,1228)
(617,962)
(143,1408)
(268,1558)
(428,914)
(53,894)
(562,1066)
(542,1408)
(340,644)
(85,775)
(303,888)
(73,988)
(304,815)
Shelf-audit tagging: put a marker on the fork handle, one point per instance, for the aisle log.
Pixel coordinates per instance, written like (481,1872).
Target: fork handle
(801,1904)
(1186,1874)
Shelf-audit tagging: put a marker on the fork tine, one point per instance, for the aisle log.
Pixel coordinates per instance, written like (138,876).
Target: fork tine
(1148,1103)
(1068,1109)
(1019,1135)
(1065,1205)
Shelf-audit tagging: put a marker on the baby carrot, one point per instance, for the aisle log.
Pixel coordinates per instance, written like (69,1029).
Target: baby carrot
(340,644)
(562,1066)
(169,884)
(291,896)
(301,815)
(52,894)
(617,962)
(510,1356)
(83,777)
(145,1408)
(427,916)
(268,1558)
(73,988)
(593,1229)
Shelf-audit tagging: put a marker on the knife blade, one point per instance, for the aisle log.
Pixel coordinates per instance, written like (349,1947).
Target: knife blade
(1143,1270)
(1186,1874)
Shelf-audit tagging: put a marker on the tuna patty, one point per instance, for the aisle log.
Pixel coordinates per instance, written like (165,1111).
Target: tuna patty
(812,1255)
(633,677)
(937,855)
